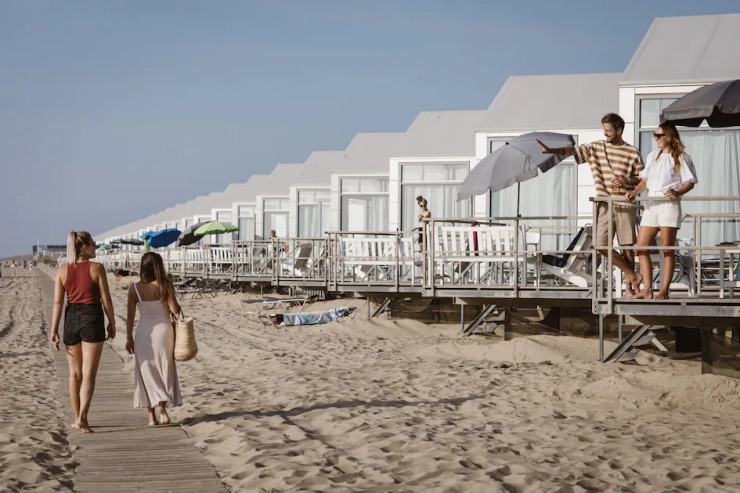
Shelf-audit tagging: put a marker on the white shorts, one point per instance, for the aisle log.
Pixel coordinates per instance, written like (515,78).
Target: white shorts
(662,214)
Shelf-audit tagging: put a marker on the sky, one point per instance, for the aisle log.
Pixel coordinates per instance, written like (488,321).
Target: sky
(113,110)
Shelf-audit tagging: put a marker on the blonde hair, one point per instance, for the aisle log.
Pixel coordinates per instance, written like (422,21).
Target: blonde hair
(674,144)
(76,241)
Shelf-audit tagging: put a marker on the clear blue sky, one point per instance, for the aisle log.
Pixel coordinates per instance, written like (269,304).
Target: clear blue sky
(113,110)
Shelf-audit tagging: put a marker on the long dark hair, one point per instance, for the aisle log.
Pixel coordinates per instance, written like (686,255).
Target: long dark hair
(152,269)
(674,144)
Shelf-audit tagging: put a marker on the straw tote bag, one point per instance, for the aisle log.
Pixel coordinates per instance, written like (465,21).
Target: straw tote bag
(185,345)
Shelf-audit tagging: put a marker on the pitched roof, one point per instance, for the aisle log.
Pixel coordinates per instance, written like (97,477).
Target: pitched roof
(278,182)
(318,167)
(371,151)
(551,102)
(442,133)
(700,48)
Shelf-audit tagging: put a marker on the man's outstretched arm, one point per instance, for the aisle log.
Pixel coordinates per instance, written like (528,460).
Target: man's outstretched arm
(560,151)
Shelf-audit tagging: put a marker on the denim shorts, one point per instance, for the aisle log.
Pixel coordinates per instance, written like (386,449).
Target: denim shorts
(83,323)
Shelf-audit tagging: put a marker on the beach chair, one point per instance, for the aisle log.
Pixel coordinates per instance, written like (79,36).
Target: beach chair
(375,259)
(211,289)
(297,261)
(272,302)
(572,267)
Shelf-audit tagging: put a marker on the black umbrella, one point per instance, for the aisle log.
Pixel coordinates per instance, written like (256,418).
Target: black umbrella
(127,241)
(718,104)
(188,236)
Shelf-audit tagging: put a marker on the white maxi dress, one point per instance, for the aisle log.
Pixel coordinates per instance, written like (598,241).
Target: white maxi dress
(154,355)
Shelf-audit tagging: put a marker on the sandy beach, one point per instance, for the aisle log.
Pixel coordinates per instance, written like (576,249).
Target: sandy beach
(379,405)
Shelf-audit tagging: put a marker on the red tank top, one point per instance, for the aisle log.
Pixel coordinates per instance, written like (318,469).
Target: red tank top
(81,289)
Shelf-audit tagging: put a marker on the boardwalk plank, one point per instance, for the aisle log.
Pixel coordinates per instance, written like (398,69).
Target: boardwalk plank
(125,454)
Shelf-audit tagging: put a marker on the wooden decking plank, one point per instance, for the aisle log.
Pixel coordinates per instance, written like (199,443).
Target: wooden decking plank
(125,454)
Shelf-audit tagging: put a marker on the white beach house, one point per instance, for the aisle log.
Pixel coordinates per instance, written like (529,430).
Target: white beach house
(676,56)
(434,159)
(272,203)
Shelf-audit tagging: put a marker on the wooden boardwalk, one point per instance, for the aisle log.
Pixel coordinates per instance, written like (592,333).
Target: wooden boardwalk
(124,454)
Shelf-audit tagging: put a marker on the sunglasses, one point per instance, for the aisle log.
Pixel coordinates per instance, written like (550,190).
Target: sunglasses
(657,136)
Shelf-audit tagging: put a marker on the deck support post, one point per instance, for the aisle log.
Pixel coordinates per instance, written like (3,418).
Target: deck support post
(601,337)
(508,335)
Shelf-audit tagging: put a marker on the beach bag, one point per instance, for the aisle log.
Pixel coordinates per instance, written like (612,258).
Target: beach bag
(185,345)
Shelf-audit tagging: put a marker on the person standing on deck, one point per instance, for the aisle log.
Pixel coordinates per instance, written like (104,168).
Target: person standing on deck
(424,214)
(615,166)
(84,326)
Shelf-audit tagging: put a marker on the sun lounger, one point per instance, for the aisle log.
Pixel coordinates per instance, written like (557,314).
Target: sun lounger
(272,302)
(211,288)
(307,318)
(572,266)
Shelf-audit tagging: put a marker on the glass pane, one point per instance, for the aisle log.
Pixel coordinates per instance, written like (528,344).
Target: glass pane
(441,199)
(272,204)
(277,221)
(284,204)
(411,172)
(223,216)
(306,197)
(308,221)
(374,185)
(325,218)
(364,213)
(494,144)
(322,195)
(647,143)
(649,112)
(459,172)
(350,185)
(188,223)
(435,172)
(246,228)
(246,211)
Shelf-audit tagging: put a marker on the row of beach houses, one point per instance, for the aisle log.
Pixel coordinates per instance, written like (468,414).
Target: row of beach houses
(371,185)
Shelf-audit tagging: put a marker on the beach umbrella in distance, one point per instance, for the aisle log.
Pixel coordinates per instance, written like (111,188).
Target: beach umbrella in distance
(147,235)
(188,236)
(131,242)
(519,160)
(163,238)
(718,104)
(216,228)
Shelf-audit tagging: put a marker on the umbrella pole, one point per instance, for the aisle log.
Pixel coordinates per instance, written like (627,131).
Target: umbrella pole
(518,197)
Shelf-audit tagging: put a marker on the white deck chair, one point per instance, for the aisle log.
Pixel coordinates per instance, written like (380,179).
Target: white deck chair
(575,268)
(297,260)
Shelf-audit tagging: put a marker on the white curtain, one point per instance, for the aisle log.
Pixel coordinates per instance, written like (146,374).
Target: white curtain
(549,194)
(246,228)
(441,201)
(716,155)
(309,221)
(365,213)
(277,221)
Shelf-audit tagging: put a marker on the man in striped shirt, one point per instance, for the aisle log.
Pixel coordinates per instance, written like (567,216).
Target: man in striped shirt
(614,166)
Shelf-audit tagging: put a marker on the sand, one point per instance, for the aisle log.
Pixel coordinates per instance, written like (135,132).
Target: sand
(34,452)
(378,405)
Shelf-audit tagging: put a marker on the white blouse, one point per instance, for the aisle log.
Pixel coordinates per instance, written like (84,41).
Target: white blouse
(660,174)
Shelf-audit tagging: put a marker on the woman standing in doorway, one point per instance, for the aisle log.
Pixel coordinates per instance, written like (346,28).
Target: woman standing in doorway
(85,284)
(669,172)
(155,372)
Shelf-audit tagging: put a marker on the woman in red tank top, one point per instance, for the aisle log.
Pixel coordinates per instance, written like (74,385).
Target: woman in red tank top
(86,286)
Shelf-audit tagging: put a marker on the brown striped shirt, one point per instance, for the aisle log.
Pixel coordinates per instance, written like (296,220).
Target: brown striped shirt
(605,160)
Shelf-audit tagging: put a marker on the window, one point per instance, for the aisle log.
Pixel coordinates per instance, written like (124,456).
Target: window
(715,153)
(275,216)
(439,184)
(314,213)
(188,223)
(224,239)
(364,204)
(246,223)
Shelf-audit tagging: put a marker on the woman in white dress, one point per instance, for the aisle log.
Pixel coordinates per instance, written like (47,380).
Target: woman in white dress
(154,352)
(669,172)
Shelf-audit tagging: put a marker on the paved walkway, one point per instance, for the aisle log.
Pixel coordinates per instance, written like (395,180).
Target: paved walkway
(124,454)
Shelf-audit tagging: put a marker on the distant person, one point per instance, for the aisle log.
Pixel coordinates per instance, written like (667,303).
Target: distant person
(86,285)
(155,373)
(669,172)
(425,213)
(615,166)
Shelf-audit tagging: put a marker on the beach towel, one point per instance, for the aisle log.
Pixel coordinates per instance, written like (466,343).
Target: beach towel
(311,318)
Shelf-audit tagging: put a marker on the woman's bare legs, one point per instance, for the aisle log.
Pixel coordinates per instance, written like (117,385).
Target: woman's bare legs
(74,360)
(163,416)
(667,238)
(91,352)
(645,237)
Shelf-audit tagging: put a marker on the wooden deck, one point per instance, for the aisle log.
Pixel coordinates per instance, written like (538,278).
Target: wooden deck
(124,454)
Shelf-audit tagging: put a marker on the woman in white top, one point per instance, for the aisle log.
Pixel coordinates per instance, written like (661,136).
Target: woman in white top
(669,172)
(424,214)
